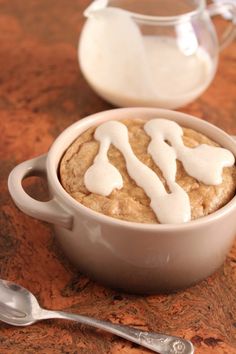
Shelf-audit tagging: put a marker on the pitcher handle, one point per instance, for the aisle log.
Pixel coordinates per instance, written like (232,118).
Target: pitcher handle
(219,9)
(50,211)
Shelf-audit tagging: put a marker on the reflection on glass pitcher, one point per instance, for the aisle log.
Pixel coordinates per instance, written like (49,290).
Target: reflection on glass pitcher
(151,53)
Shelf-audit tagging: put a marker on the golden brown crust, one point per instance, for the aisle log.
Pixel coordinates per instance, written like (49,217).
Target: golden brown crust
(131,203)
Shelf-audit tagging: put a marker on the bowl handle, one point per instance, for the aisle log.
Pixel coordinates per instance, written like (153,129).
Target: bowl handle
(50,211)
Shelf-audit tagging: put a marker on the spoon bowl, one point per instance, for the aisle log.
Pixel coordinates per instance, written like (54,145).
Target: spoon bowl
(19,307)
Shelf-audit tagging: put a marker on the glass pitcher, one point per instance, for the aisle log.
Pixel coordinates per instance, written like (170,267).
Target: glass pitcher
(159,53)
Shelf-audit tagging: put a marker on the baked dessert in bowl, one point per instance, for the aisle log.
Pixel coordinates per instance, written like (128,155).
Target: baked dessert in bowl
(138,257)
(123,186)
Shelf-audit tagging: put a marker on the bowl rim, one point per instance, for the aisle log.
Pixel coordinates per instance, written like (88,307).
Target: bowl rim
(93,119)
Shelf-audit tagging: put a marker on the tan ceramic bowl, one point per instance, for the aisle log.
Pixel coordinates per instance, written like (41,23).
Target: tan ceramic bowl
(134,257)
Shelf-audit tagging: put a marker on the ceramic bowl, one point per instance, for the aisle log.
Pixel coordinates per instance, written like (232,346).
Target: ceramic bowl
(129,256)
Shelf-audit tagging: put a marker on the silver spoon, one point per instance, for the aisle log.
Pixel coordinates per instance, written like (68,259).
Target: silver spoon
(18,307)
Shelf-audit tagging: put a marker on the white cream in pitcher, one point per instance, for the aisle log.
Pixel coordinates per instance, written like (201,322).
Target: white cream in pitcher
(204,162)
(128,68)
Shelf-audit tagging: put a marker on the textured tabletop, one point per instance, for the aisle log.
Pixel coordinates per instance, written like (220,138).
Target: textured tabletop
(41,92)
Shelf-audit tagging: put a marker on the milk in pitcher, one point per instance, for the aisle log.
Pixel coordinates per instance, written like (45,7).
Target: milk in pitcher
(128,68)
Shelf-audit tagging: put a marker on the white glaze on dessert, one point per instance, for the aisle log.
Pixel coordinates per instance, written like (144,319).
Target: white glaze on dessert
(205,163)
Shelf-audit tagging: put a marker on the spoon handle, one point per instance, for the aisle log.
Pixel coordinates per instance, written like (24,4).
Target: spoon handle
(160,343)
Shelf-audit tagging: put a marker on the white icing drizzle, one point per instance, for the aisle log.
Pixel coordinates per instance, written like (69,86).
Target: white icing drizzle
(102,177)
(204,162)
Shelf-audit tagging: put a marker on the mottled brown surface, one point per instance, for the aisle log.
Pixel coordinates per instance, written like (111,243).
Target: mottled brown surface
(42,92)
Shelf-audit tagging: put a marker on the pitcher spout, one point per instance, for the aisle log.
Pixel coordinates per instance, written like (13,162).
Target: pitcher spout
(95,6)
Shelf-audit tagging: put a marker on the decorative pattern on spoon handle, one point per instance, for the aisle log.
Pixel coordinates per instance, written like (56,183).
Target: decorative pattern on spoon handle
(166,344)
